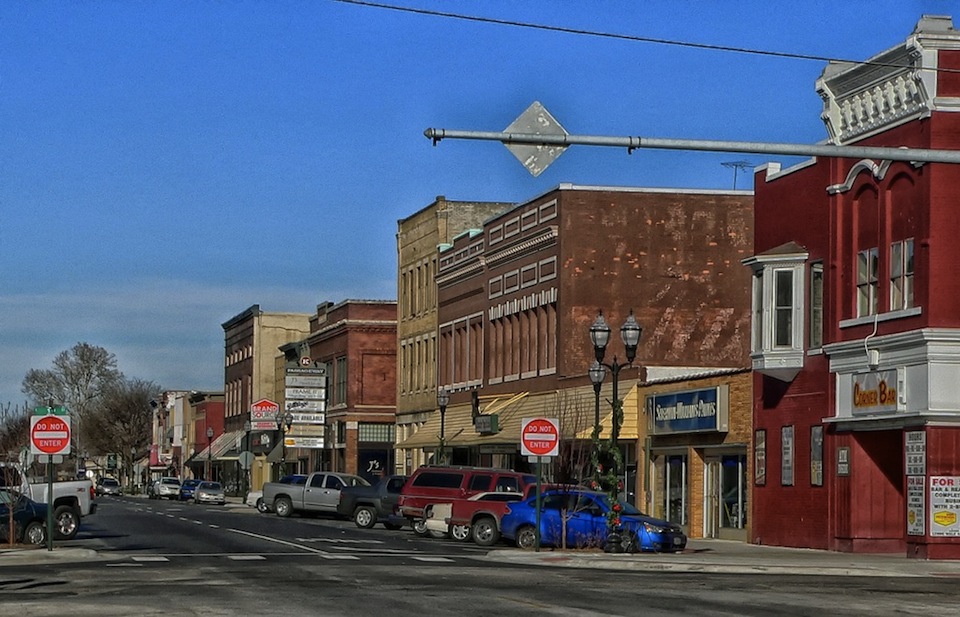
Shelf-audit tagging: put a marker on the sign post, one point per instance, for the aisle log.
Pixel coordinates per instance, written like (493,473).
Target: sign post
(539,438)
(50,440)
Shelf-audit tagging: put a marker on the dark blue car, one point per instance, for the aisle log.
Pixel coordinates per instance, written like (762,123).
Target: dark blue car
(586,523)
(187,489)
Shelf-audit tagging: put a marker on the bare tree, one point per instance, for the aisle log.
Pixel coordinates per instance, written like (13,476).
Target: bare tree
(122,422)
(14,428)
(78,380)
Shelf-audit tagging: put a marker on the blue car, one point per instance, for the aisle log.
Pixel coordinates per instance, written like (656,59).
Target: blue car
(187,489)
(586,524)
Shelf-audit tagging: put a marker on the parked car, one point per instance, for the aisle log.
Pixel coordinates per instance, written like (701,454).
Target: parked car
(432,484)
(29,519)
(72,499)
(320,493)
(475,518)
(369,505)
(109,486)
(188,487)
(586,523)
(255,498)
(209,492)
(167,487)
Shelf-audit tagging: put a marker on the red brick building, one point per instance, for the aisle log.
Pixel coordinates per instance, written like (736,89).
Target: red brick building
(356,340)
(517,296)
(856,329)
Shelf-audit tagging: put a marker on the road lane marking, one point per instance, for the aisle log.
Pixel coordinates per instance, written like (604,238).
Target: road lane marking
(308,549)
(148,558)
(434,559)
(246,557)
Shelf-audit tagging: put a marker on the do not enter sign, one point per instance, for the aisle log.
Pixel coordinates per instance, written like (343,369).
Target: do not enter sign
(540,437)
(50,434)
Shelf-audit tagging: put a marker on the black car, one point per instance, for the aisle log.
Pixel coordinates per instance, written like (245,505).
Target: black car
(29,519)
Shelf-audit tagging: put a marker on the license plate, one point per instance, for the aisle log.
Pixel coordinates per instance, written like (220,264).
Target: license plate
(677,541)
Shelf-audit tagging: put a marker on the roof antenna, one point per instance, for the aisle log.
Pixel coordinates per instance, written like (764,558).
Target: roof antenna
(737,166)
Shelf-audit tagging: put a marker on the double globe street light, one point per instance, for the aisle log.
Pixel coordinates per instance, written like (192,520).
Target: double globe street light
(443,399)
(600,335)
(284,421)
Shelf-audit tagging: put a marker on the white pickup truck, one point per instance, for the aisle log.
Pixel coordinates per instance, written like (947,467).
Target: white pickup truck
(72,499)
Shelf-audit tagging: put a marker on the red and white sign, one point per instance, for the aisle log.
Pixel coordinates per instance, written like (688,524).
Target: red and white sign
(50,434)
(540,437)
(263,415)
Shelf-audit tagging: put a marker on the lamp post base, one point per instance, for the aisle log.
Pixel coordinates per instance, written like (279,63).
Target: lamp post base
(614,543)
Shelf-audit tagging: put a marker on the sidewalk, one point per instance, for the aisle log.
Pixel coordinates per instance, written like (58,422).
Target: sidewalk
(730,557)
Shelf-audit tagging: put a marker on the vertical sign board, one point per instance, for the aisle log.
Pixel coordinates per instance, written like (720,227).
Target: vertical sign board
(915,453)
(915,505)
(915,464)
(945,506)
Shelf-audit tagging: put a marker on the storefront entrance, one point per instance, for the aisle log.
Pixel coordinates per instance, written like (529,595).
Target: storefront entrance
(725,497)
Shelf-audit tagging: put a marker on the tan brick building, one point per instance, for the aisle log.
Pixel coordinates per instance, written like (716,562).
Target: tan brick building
(418,237)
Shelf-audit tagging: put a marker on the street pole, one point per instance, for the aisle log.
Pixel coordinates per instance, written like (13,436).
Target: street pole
(600,336)
(443,399)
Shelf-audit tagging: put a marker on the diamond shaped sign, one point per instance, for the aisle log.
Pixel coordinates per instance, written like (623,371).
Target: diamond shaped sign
(536,120)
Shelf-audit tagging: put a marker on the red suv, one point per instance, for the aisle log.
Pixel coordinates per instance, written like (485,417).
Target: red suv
(432,484)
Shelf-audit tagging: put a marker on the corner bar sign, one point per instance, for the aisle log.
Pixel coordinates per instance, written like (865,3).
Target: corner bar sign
(540,437)
(50,434)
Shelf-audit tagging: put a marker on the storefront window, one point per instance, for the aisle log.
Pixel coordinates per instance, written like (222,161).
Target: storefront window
(676,489)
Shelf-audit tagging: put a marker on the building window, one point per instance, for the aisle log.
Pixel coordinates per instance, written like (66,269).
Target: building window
(816,306)
(777,329)
(376,432)
(783,308)
(868,264)
(340,382)
(901,275)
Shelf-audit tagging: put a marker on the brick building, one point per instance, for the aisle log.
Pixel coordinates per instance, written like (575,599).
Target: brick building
(517,296)
(356,342)
(856,342)
(418,237)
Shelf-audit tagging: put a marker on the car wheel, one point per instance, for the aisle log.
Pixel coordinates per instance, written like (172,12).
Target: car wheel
(283,506)
(35,534)
(364,517)
(66,523)
(261,506)
(485,531)
(526,538)
(461,533)
(420,527)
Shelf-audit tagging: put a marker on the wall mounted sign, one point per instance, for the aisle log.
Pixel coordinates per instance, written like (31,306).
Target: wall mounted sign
(915,453)
(874,392)
(690,411)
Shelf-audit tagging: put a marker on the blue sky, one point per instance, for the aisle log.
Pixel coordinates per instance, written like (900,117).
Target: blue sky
(165,165)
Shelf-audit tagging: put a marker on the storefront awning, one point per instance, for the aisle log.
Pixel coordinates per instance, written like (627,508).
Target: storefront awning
(574,408)
(223,448)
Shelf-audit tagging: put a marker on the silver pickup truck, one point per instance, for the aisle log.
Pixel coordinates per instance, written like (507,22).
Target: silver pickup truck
(72,499)
(320,493)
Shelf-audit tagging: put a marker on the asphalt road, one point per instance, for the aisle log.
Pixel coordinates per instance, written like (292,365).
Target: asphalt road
(164,558)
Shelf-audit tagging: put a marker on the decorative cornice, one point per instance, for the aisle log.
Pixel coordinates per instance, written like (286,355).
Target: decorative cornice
(546,236)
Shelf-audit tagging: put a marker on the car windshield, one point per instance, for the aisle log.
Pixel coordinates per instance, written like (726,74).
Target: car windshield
(627,508)
(173,481)
(110,482)
(211,486)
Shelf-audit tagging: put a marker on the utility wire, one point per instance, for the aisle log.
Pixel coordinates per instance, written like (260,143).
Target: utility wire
(637,39)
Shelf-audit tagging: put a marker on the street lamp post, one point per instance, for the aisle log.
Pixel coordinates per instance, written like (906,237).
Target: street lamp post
(443,399)
(600,335)
(209,452)
(284,420)
(597,373)
(246,448)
